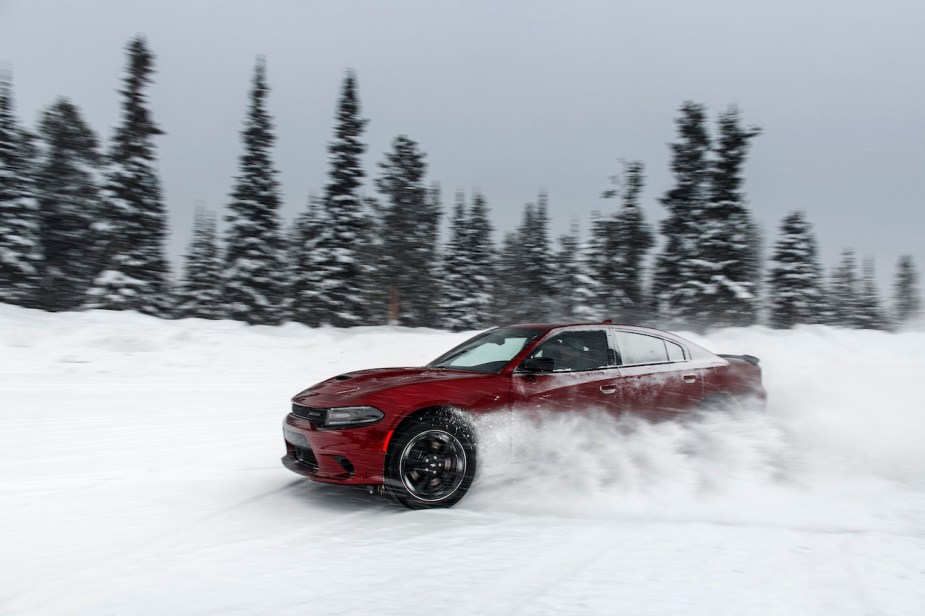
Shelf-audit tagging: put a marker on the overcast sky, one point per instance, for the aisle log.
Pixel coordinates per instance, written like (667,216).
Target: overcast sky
(513,97)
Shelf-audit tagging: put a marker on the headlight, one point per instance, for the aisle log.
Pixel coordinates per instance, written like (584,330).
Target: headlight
(350,416)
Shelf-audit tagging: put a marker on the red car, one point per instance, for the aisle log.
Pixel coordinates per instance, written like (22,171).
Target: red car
(406,431)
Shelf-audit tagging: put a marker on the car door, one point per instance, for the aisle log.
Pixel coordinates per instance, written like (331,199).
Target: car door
(657,380)
(583,375)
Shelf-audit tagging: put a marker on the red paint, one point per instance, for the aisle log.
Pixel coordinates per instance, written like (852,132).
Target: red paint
(385,443)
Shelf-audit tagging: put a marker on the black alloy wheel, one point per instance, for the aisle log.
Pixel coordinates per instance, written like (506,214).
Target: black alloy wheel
(431,463)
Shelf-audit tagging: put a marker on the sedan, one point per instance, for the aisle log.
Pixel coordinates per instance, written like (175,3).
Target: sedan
(408,432)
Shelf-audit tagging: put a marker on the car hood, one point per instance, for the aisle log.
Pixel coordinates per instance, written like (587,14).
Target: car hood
(351,387)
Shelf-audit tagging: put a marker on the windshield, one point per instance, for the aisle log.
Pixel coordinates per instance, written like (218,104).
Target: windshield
(487,352)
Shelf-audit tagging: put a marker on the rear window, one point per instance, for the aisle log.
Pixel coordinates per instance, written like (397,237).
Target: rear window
(675,352)
(642,349)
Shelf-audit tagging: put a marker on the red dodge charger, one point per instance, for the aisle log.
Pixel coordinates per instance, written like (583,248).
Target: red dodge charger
(407,431)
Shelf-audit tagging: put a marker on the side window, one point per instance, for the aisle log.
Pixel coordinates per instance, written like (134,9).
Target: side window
(642,349)
(576,351)
(675,352)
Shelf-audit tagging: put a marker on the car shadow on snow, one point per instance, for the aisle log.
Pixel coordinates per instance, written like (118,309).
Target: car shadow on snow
(339,499)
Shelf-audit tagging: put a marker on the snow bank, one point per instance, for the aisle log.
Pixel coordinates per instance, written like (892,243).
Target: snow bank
(139,465)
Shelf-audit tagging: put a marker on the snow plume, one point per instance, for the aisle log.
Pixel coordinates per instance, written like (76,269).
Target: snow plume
(790,467)
(594,454)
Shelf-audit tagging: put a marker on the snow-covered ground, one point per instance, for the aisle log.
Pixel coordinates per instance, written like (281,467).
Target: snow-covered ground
(139,473)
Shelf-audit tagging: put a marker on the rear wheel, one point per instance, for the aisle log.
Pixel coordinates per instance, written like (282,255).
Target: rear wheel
(431,462)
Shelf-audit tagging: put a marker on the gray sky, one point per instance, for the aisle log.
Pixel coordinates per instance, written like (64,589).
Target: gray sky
(511,97)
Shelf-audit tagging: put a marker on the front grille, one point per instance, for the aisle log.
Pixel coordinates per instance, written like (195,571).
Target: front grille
(306,456)
(314,415)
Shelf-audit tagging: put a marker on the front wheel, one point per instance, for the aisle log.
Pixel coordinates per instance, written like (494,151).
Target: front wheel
(431,462)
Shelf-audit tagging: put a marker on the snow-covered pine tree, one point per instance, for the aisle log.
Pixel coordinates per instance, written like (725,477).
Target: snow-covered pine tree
(132,228)
(591,291)
(723,269)
(676,290)
(907,300)
(454,306)
(537,267)
(843,293)
(410,221)
(795,281)
(525,275)
(509,294)
(346,236)
(305,284)
(566,276)
(429,234)
(481,263)
(611,280)
(869,313)
(200,292)
(20,244)
(631,240)
(467,295)
(68,193)
(253,285)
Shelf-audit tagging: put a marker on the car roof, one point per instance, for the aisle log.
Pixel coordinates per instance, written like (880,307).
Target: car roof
(550,326)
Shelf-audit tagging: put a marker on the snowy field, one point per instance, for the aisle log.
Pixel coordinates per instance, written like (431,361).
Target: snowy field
(139,474)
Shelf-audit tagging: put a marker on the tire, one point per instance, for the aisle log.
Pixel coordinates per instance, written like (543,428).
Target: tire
(430,462)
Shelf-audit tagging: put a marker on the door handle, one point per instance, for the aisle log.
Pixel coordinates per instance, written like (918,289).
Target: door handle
(608,389)
(689,378)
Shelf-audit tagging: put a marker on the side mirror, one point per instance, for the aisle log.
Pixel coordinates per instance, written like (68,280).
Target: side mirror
(538,364)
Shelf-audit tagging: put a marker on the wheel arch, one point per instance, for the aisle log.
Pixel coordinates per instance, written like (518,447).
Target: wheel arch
(446,412)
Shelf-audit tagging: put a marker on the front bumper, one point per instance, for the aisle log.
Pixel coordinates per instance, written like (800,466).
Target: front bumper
(353,456)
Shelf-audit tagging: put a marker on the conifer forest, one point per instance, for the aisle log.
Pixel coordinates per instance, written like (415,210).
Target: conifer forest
(83,225)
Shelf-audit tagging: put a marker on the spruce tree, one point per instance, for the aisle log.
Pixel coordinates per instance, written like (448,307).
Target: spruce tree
(796,276)
(592,293)
(869,313)
(609,271)
(510,297)
(133,224)
(20,244)
(675,288)
(467,296)
(525,270)
(537,267)
(481,265)
(429,234)
(346,237)
(907,303)
(253,288)
(708,272)
(630,240)
(200,293)
(567,276)
(305,285)
(68,192)
(410,219)
(844,292)
(454,305)
(724,269)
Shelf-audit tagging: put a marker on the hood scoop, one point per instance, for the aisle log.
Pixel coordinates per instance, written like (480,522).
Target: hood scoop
(343,377)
